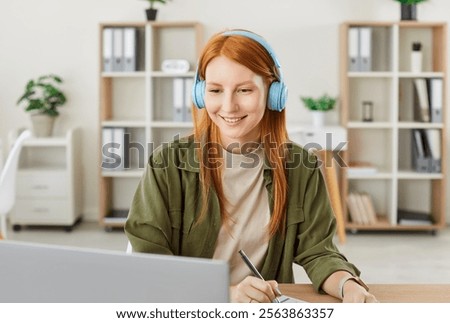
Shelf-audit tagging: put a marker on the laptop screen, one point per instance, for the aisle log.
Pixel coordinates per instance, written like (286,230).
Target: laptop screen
(46,273)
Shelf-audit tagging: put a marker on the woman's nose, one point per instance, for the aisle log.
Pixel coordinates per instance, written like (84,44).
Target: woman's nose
(229,102)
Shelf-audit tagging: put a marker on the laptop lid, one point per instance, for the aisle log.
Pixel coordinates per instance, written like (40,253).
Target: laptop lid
(46,273)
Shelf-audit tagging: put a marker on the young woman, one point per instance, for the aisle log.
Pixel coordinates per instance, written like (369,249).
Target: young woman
(238,183)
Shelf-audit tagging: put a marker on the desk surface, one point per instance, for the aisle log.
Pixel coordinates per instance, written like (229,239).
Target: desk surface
(385,293)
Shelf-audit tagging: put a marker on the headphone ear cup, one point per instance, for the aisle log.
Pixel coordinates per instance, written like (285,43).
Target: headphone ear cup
(198,94)
(277,96)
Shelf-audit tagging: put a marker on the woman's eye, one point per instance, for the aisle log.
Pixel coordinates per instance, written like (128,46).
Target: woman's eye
(213,90)
(245,90)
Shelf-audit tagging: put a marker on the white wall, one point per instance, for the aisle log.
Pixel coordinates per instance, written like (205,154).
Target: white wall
(61,36)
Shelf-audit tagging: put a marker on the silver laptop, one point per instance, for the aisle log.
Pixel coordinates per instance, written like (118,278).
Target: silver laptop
(44,273)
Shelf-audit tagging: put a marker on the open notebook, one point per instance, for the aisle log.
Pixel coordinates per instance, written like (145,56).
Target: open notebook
(43,273)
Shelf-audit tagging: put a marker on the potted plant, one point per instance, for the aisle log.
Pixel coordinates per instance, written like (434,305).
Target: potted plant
(408,9)
(151,11)
(42,98)
(318,106)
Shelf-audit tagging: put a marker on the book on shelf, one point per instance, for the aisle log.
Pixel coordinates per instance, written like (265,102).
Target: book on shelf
(361,208)
(356,168)
(409,217)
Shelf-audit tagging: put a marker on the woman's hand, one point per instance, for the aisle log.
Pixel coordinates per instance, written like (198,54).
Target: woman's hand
(355,293)
(341,285)
(253,290)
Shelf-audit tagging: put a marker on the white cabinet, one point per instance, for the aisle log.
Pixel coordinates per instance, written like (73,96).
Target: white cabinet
(49,182)
(139,106)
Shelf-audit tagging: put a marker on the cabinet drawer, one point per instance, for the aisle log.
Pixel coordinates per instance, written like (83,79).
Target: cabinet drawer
(44,184)
(41,212)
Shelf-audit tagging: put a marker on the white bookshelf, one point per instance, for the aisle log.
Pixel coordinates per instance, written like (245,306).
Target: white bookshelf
(386,141)
(142,103)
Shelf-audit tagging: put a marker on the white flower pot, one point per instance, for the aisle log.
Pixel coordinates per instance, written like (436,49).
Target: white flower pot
(318,118)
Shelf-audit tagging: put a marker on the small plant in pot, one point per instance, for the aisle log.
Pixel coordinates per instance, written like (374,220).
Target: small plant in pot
(318,106)
(42,98)
(408,9)
(151,11)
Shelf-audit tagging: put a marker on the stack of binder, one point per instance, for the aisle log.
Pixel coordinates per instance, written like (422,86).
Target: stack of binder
(426,150)
(428,95)
(360,49)
(182,101)
(114,155)
(122,49)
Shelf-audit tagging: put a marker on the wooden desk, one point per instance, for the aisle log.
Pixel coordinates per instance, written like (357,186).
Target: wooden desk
(385,293)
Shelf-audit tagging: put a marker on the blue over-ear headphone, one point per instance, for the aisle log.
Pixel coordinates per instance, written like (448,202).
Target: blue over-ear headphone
(276,98)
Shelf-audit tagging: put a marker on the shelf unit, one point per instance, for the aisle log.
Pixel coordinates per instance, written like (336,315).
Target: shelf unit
(141,102)
(49,182)
(386,141)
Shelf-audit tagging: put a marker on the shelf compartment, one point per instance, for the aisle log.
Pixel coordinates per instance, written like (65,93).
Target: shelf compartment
(174,41)
(407,145)
(381,54)
(378,91)
(409,102)
(118,192)
(172,99)
(422,195)
(360,151)
(430,36)
(381,193)
(131,148)
(107,45)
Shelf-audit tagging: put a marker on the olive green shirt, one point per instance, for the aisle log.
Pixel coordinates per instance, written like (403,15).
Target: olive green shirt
(162,217)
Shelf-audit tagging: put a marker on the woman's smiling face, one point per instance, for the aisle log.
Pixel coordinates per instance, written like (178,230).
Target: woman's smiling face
(235,99)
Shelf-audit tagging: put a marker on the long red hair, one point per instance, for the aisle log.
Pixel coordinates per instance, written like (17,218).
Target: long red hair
(254,56)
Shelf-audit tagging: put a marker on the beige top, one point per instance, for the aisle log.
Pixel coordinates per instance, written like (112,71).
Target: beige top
(248,207)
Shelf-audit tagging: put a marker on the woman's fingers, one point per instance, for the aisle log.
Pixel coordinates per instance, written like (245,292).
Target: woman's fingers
(253,289)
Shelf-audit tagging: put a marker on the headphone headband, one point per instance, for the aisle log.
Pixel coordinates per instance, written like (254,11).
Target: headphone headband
(277,95)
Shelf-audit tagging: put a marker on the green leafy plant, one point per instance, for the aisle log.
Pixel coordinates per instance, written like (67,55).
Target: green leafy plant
(323,103)
(42,96)
(410,1)
(152,2)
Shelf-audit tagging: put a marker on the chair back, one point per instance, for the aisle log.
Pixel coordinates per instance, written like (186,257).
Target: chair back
(8,175)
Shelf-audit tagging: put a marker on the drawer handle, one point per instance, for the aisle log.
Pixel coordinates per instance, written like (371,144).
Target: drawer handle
(40,210)
(40,187)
